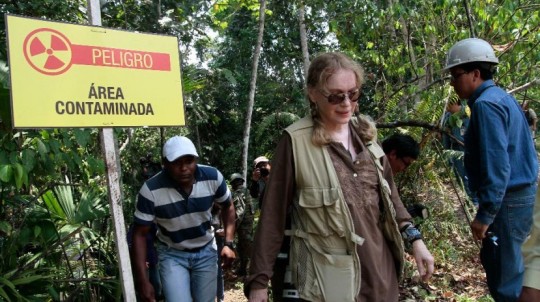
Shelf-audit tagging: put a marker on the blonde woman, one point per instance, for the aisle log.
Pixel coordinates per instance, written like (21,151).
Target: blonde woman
(348,225)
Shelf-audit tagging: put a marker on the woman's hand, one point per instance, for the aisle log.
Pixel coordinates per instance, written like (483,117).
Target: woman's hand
(424,260)
(258,295)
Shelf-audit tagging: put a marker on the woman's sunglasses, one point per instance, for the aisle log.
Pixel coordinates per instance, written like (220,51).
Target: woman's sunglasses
(335,99)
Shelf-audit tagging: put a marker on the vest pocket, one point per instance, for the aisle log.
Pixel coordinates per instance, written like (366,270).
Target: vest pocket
(335,276)
(322,211)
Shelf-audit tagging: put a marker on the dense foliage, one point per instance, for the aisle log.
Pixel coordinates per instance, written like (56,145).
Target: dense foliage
(55,231)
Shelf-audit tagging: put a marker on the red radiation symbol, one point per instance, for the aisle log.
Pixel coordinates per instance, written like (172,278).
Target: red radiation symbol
(48,51)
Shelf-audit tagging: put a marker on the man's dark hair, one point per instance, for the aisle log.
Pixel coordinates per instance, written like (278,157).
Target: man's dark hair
(403,144)
(487,70)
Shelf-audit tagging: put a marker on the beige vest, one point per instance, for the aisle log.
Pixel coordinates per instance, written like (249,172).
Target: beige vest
(323,257)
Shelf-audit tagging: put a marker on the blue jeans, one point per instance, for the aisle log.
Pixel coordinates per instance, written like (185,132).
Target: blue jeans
(188,276)
(503,261)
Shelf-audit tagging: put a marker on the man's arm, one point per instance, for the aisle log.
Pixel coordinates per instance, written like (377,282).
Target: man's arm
(494,166)
(138,258)
(228,215)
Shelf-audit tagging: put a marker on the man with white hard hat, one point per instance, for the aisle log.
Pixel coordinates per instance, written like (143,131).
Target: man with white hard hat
(180,199)
(501,164)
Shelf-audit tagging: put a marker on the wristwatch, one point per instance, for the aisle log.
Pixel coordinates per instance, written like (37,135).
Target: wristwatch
(230,244)
(410,234)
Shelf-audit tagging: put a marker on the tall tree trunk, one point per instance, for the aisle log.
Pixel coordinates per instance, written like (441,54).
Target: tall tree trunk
(252,86)
(303,38)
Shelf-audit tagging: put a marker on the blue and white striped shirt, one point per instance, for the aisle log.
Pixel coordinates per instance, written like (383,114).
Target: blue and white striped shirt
(184,221)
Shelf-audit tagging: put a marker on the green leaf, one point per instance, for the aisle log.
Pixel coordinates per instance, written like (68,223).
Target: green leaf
(52,204)
(5,227)
(45,134)
(66,201)
(66,140)
(55,146)
(92,205)
(53,293)
(4,294)
(96,165)
(29,279)
(6,173)
(69,229)
(37,231)
(4,158)
(13,157)
(8,283)
(28,158)
(42,149)
(19,175)
(229,76)
(82,137)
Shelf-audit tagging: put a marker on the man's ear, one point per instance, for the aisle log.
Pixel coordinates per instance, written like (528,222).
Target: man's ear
(477,74)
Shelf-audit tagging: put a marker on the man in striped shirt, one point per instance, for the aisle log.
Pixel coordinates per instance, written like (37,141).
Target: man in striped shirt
(179,200)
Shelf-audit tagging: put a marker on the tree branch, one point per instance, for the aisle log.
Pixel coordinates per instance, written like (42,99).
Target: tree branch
(126,141)
(525,86)
(469,18)
(410,123)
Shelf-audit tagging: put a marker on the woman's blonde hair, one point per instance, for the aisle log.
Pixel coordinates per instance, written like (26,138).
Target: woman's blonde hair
(321,68)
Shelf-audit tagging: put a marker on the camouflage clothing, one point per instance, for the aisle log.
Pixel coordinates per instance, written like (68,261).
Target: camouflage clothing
(244,226)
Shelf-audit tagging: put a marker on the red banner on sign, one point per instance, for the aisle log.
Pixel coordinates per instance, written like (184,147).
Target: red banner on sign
(122,58)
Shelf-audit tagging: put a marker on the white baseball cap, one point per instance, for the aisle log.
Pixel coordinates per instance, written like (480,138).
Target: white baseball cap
(260,159)
(178,146)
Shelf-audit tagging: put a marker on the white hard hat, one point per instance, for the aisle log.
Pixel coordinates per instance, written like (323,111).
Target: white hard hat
(470,50)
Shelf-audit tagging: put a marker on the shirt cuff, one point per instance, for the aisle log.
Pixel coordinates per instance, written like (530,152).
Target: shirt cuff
(254,284)
(484,218)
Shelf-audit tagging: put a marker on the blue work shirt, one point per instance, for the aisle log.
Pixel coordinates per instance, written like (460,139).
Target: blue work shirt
(499,153)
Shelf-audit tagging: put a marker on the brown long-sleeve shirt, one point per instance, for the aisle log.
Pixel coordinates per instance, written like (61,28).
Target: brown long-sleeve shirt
(360,185)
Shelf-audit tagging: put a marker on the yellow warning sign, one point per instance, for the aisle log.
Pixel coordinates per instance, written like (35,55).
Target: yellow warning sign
(65,75)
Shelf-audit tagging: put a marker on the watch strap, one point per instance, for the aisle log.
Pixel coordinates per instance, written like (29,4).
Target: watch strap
(406,226)
(410,234)
(229,244)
